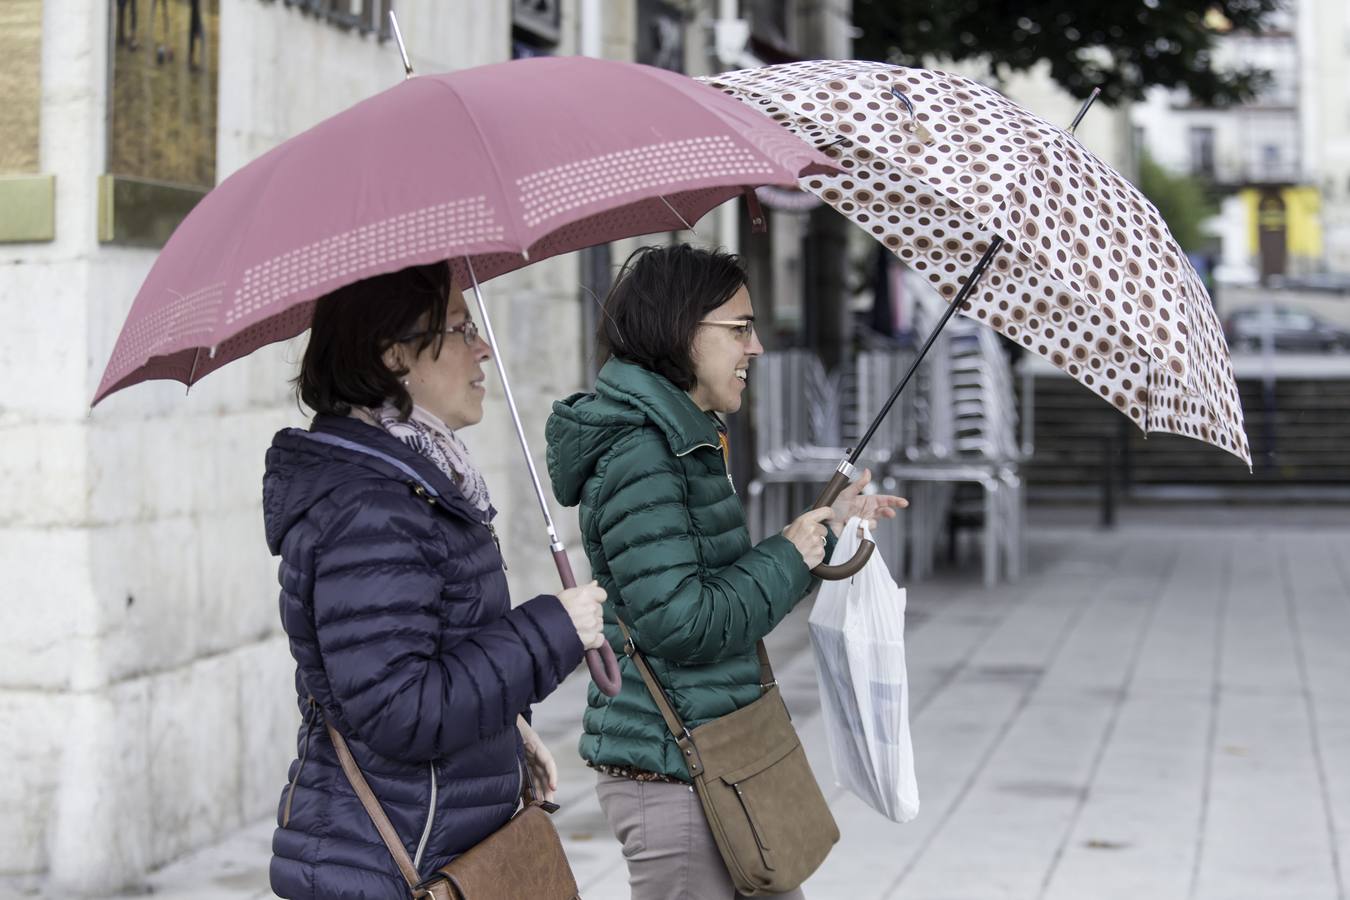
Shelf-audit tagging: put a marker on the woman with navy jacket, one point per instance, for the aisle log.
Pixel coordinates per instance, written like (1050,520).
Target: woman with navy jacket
(395,600)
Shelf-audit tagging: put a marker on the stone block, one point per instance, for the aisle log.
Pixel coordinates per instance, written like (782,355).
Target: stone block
(46,604)
(42,474)
(31,744)
(193,755)
(100,825)
(146,577)
(267,724)
(238,600)
(173,590)
(41,346)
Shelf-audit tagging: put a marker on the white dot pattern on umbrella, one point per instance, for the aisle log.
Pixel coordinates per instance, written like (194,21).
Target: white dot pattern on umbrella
(558,190)
(1092,280)
(441,227)
(177,324)
(317,234)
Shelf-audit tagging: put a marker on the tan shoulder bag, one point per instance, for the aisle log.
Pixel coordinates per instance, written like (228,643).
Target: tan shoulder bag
(523,858)
(767,814)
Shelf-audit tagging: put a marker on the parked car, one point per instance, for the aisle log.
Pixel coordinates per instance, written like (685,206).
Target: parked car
(1328,282)
(1292,329)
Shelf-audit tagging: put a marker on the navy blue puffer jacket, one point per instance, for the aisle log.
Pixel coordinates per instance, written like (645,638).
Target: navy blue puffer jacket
(396,605)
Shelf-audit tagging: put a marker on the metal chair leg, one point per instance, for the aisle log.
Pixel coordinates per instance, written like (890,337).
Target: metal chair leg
(991,532)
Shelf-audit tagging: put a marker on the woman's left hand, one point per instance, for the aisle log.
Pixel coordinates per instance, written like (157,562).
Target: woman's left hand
(542,769)
(868,507)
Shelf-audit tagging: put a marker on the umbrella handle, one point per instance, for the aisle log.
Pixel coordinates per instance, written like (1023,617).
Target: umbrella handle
(603,664)
(864,553)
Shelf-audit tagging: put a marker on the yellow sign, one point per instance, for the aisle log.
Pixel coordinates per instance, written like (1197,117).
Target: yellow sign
(20,85)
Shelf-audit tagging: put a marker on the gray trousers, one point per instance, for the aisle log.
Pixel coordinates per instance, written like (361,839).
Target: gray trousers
(667,844)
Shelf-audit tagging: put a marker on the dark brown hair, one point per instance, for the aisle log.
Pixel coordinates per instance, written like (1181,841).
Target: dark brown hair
(353,327)
(652,312)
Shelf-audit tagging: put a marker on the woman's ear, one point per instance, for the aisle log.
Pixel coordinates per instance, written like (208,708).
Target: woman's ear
(393,358)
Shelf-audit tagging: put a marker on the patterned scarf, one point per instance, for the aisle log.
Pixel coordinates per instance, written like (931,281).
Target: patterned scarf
(428,435)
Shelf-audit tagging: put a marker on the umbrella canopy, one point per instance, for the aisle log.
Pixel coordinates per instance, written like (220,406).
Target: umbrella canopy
(488,168)
(935,166)
(504,164)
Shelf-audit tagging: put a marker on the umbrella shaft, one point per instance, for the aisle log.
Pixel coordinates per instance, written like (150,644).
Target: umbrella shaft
(554,543)
(952,309)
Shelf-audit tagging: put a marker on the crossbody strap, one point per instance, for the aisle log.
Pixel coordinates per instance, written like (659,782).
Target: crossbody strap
(373,808)
(678,729)
(381,819)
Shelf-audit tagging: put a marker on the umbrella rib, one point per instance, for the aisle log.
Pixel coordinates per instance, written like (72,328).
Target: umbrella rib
(682,219)
(491,161)
(192,373)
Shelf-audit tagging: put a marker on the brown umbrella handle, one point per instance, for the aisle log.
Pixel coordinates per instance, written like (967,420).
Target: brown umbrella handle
(603,664)
(860,558)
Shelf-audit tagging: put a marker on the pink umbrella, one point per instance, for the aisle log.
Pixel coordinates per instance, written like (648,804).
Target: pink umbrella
(491,168)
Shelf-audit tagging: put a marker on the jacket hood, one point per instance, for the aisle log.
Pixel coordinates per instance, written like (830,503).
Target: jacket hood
(304,467)
(627,396)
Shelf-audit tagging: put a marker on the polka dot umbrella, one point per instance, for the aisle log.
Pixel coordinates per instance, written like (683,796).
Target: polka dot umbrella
(489,168)
(1016,225)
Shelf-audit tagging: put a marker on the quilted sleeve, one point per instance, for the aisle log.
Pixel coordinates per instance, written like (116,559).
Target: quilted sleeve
(675,609)
(402,689)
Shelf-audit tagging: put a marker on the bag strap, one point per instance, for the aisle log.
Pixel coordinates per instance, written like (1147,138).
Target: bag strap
(373,808)
(678,729)
(381,819)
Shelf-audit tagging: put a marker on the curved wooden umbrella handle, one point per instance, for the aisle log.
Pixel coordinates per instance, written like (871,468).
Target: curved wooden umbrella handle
(603,664)
(853,566)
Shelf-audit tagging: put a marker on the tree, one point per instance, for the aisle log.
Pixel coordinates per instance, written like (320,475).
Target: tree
(1181,200)
(1122,46)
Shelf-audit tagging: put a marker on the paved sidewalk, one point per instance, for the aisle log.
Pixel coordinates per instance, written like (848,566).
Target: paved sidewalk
(1162,711)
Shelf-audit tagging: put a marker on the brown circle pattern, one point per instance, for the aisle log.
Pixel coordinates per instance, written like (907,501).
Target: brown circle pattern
(1090,278)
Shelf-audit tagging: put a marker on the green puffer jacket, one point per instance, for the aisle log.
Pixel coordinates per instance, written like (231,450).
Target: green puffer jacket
(666,538)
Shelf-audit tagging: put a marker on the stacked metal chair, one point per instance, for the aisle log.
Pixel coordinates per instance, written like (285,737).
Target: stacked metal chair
(797,411)
(964,430)
(956,423)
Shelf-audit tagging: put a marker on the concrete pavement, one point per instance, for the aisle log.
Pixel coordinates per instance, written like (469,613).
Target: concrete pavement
(1160,711)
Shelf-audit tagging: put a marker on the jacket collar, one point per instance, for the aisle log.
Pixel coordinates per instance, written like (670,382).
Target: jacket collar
(376,449)
(685,426)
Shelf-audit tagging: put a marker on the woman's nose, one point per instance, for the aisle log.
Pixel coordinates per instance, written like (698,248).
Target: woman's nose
(755,348)
(481,350)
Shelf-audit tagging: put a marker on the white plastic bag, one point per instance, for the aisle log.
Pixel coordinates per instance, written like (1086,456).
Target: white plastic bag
(858,635)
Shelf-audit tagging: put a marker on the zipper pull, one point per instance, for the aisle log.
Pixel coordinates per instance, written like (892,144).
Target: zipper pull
(493,531)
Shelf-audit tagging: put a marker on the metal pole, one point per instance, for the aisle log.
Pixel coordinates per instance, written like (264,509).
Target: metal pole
(952,308)
(554,544)
(603,665)
(845,470)
(402,49)
(1083,109)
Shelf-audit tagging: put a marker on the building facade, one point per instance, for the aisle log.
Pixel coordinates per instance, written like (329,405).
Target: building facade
(146,685)
(1278,165)
(1323,32)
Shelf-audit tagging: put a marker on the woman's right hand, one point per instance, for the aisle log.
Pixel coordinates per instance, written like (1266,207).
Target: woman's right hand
(583,606)
(807,533)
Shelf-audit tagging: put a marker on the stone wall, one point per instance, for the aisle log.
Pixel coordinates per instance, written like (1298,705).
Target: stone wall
(144,682)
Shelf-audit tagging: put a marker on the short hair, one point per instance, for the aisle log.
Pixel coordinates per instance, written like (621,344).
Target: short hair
(354,325)
(652,313)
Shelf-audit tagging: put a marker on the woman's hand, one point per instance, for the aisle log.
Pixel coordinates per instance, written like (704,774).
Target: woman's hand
(542,770)
(868,507)
(583,606)
(807,533)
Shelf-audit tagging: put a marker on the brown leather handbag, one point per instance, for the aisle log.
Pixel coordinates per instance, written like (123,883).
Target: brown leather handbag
(766,811)
(523,858)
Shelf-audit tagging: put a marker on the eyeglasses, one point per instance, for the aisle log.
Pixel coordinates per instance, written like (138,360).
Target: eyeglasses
(467,328)
(741,329)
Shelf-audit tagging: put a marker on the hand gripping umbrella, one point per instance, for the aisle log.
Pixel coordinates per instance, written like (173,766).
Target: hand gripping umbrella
(489,168)
(946,173)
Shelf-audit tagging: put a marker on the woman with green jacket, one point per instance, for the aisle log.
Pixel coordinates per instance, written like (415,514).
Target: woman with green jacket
(645,459)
